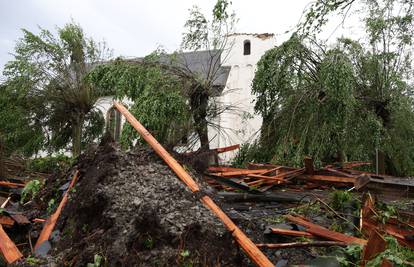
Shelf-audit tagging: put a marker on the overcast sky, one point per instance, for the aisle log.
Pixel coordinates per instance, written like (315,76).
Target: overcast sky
(136,27)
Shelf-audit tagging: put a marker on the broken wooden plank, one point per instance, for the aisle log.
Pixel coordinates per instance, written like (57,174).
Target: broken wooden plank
(326,233)
(227,148)
(239,172)
(247,245)
(7,221)
(11,185)
(376,244)
(51,221)
(328,178)
(303,244)
(9,250)
(280,231)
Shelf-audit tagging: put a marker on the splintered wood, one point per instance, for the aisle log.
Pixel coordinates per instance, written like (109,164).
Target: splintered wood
(51,221)
(9,250)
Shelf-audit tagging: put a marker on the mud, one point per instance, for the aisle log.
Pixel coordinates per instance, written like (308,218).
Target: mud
(131,210)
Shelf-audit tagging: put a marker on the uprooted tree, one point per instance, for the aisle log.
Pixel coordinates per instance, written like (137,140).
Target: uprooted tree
(341,103)
(45,86)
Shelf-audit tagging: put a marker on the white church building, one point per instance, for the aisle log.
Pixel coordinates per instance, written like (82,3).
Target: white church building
(238,125)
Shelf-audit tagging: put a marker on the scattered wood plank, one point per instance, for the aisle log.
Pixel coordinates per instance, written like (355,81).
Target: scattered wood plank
(308,162)
(9,250)
(227,148)
(376,244)
(303,244)
(328,178)
(6,221)
(51,221)
(280,231)
(326,233)
(247,245)
(239,172)
(11,185)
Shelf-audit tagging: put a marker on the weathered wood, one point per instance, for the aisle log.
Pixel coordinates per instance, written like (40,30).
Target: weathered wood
(5,220)
(328,178)
(326,233)
(376,244)
(308,162)
(9,250)
(303,244)
(51,221)
(11,185)
(264,197)
(280,231)
(227,148)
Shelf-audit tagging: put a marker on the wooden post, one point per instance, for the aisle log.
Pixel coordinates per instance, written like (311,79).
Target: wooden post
(248,246)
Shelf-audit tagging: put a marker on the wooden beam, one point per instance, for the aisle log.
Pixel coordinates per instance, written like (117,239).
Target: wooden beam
(51,221)
(376,244)
(5,220)
(227,148)
(328,178)
(10,184)
(280,231)
(9,250)
(326,233)
(247,245)
(303,244)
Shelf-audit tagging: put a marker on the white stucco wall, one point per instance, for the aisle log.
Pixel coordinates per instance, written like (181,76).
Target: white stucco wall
(240,125)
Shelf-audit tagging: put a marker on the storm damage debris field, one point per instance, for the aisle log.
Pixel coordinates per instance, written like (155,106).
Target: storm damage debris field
(131,210)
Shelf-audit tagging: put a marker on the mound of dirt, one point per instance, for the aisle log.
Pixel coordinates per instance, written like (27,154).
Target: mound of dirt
(130,209)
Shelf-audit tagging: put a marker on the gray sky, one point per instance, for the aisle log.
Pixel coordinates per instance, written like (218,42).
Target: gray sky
(135,27)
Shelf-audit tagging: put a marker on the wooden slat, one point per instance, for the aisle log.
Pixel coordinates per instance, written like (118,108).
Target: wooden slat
(376,244)
(11,185)
(227,148)
(280,231)
(51,221)
(326,233)
(329,178)
(240,172)
(9,250)
(5,220)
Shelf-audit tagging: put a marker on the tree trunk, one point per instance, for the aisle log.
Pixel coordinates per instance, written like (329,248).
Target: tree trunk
(199,103)
(77,135)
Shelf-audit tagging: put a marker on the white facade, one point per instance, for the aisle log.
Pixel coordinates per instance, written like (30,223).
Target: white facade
(240,125)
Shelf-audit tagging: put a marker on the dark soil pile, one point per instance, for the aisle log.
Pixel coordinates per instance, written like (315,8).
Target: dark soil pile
(130,209)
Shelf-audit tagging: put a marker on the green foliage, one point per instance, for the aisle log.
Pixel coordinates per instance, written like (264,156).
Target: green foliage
(51,206)
(329,104)
(385,212)
(149,243)
(30,190)
(340,199)
(249,153)
(45,82)
(158,100)
(351,255)
(33,261)
(50,164)
(398,255)
(97,261)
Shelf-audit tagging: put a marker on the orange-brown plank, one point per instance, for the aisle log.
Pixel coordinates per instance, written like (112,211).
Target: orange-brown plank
(326,233)
(51,221)
(10,184)
(227,148)
(329,178)
(9,250)
(376,244)
(241,172)
(4,220)
(248,246)
(290,232)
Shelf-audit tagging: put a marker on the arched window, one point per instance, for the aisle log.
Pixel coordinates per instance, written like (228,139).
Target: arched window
(246,48)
